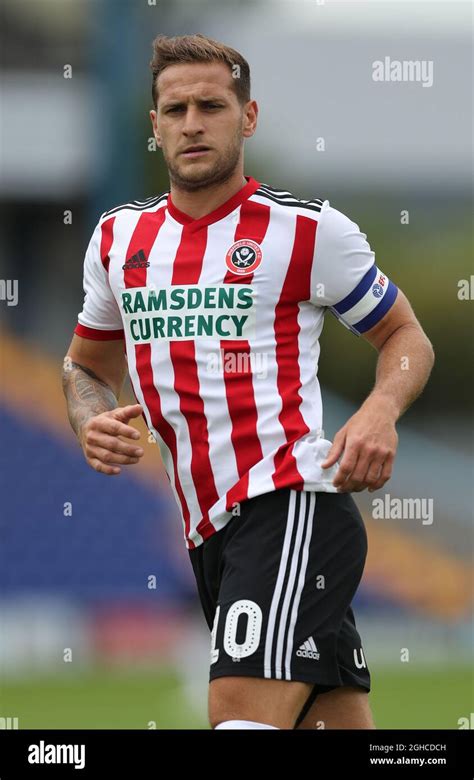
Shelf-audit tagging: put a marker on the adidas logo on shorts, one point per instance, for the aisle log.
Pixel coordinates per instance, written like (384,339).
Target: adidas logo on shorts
(308,649)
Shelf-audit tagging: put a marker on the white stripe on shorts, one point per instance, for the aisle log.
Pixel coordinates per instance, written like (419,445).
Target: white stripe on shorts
(289,557)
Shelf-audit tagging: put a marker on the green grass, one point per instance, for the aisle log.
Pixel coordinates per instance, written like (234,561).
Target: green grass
(99,700)
(401,698)
(434,698)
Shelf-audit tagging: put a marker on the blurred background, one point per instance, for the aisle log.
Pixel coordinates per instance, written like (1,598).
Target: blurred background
(100,626)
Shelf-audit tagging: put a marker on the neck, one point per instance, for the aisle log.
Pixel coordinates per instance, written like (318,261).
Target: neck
(198,203)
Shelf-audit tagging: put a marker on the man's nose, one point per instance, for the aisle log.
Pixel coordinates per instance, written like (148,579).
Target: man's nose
(192,121)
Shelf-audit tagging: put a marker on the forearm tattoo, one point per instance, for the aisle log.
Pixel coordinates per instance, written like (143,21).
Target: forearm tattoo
(85,393)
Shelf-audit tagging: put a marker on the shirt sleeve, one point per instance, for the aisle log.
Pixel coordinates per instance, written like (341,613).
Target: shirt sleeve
(100,317)
(345,277)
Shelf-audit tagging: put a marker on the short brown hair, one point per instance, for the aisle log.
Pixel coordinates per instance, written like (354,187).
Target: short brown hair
(198,48)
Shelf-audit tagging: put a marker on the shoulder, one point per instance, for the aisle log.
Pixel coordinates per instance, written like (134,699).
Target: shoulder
(287,201)
(336,223)
(136,205)
(338,229)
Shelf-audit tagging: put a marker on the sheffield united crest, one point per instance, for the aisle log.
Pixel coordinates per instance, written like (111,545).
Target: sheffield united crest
(243,257)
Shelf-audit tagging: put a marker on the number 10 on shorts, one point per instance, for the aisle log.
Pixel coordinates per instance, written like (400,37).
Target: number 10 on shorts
(252,633)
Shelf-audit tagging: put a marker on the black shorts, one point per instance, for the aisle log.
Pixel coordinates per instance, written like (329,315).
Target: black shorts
(276,585)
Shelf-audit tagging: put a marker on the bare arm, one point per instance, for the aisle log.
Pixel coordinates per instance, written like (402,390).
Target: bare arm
(86,394)
(92,378)
(369,438)
(405,359)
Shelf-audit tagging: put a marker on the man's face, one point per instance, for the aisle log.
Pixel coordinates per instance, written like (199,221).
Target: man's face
(198,107)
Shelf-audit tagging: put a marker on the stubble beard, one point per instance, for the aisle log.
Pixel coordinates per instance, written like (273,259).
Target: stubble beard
(220,172)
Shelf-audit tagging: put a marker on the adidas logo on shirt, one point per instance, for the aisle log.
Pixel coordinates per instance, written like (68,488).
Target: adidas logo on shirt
(137,260)
(308,650)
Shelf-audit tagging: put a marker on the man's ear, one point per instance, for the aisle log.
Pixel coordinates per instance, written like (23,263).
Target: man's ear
(251,115)
(155,129)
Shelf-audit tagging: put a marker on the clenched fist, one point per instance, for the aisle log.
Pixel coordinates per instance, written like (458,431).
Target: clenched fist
(100,438)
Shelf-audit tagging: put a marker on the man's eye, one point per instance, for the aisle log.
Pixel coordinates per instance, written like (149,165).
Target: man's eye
(175,109)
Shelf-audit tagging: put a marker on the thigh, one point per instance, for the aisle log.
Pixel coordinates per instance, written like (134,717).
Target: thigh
(341,708)
(272,702)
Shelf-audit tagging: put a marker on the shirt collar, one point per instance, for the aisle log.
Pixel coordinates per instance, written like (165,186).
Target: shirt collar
(220,212)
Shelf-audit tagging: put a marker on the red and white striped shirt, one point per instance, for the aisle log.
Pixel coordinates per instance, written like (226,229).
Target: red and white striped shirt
(221,318)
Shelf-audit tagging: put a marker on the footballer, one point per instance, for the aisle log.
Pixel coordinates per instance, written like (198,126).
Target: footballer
(224,266)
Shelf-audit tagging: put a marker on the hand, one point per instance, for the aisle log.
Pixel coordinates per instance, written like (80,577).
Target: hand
(369,443)
(101,442)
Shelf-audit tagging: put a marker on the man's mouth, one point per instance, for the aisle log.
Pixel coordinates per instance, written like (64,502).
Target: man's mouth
(195,151)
